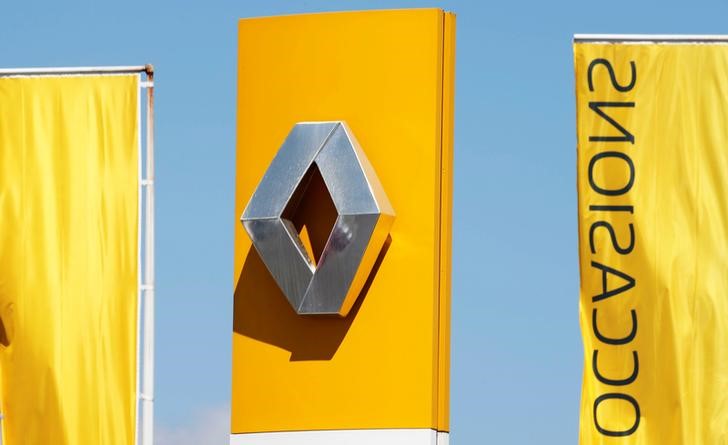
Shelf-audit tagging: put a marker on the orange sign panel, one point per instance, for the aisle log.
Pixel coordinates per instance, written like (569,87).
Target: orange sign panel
(389,76)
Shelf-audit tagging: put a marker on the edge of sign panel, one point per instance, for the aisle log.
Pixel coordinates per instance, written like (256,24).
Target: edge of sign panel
(446,172)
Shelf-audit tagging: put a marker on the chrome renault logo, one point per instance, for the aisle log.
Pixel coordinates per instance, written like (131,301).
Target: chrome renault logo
(364,218)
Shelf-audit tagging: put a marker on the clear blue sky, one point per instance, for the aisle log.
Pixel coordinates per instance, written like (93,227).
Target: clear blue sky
(516,369)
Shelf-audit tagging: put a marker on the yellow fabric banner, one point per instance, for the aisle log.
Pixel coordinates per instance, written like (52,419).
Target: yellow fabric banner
(652,128)
(68,259)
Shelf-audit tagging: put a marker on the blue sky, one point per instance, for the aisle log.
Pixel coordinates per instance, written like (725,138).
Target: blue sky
(517,355)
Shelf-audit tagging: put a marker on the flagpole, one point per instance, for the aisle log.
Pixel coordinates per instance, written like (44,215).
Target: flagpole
(84,70)
(649,38)
(147,390)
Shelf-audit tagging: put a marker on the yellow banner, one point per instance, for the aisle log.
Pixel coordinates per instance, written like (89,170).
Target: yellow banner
(652,127)
(68,259)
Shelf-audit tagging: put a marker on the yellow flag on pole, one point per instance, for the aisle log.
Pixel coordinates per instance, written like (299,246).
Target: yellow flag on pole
(68,259)
(652,128)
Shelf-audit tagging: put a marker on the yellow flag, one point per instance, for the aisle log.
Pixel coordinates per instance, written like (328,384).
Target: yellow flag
(652,131)
(68,259)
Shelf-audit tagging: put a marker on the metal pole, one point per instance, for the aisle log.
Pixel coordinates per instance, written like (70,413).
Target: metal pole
(649,38)
(75,70)
(140,279)
(147,395)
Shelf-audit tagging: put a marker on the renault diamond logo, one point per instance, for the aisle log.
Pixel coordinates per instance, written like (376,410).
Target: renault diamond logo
(365,216)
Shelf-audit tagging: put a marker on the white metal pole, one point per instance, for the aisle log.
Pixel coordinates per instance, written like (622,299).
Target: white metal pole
(148,374)
(73,70)
(649,38)
(140,277)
